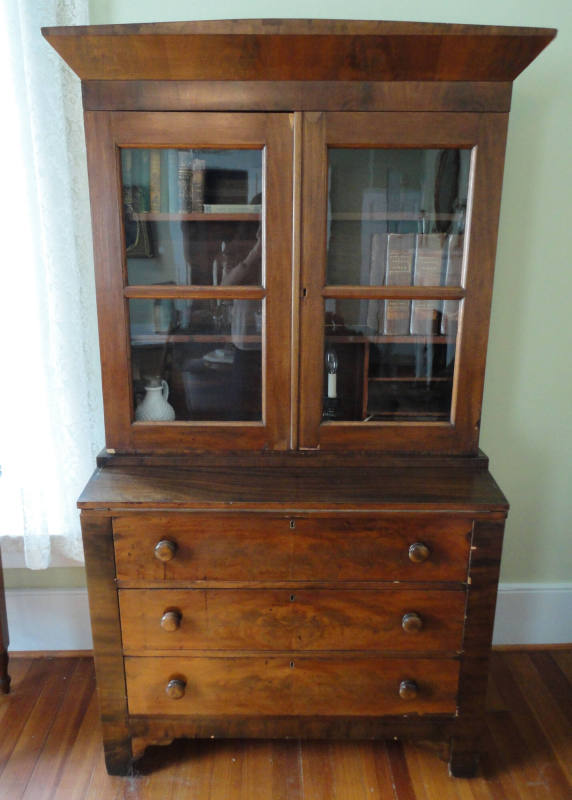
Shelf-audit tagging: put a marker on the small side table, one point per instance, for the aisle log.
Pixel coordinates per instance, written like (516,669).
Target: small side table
(4,641)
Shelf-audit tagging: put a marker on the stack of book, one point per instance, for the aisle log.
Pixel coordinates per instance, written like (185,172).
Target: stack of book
(163,181)
(191,181)
(422,259)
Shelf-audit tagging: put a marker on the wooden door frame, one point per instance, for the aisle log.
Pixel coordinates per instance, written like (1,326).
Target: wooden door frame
(106,132)
(485,135)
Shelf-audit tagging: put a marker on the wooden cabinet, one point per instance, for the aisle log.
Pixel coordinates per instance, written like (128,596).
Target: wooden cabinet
(292,531)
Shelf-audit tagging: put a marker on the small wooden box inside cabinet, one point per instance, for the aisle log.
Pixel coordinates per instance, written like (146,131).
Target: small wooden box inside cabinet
(292,532)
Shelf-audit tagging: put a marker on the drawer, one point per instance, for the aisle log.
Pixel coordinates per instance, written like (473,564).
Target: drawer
(280,619)
(300,685)
(225,547)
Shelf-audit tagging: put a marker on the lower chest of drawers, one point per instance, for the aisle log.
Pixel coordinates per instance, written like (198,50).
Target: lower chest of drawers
(285,615)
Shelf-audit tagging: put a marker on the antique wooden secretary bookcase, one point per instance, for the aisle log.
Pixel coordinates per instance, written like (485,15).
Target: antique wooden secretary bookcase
(292,532)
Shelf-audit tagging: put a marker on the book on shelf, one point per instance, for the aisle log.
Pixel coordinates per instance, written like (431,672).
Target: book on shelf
(185,173)
(428,271)
(375,308)
(164,182)
(453,277)
(155,180)
(398,272)
(198,167)
(173,181)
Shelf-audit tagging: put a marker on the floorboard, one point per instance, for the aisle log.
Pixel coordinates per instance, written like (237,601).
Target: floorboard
(50,747)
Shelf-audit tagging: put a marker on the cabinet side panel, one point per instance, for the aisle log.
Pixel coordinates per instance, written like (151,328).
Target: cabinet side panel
(486,552)
(105,192)
(487,178)
(107,647)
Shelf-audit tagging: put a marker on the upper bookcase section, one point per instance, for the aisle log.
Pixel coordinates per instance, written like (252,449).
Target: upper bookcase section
(298,50)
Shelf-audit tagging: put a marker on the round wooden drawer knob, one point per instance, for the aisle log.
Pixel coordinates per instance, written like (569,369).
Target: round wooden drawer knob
(418,552)
(171,620)
(408,690)
(165,550)
(175,689)
(411,622)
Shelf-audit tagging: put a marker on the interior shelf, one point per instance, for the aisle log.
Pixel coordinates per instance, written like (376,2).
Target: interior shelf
(180,337)
(390,216)
(411,379)
(382,339)
(196,216)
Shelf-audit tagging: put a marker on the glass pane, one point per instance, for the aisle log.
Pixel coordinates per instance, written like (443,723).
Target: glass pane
(191,216)
(196,360)
(372,377)
(396,217)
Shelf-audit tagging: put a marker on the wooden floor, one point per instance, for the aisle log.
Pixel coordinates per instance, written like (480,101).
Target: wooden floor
(50,747)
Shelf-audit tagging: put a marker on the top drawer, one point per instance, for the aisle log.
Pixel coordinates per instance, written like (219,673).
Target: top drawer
(266,547)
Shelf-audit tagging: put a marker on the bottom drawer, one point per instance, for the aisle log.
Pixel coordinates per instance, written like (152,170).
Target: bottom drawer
(298,685)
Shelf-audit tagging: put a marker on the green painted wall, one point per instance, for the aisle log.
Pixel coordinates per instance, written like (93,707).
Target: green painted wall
(54,578)
(527,413)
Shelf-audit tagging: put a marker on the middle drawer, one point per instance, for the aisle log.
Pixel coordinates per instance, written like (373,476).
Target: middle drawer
(280,619)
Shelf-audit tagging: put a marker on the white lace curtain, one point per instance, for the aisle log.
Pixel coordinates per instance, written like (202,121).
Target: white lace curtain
(50,403)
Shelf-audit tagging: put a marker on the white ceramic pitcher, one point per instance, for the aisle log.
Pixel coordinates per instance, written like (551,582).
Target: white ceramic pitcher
(154,406)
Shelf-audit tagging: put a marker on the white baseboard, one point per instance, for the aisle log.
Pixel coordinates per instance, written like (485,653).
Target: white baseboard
(533,613)
(48,619)
(58,619)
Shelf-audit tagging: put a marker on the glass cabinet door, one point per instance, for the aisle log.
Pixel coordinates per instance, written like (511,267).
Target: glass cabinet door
(204,280)
(393,359)
(192,218)
(388,278)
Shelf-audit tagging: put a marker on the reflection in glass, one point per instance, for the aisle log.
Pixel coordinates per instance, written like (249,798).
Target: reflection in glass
(184,210)
(399,377)
(207,352)
(388,209)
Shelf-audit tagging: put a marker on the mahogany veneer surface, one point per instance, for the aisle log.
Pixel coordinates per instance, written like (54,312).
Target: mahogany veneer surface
(268,547)
(298,50)
(287,619)
(300,685)
(327,487)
